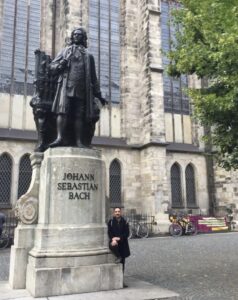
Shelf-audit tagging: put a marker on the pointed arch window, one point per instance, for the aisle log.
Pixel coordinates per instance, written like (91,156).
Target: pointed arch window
(176,186)
(190,186)
(5,180)
(104,43)
(175,100)
(25,173)
(20,36)
(115,183)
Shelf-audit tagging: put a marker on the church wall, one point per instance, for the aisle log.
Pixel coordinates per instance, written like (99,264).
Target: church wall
(178,128)
(187,129)
(131,76)
(153,179)
(46,30)
(16,149)
(146,185)
(145,177)
(114,130)
(155,97)
(16,112)
(116,121)
(5,110)
(199,163)
(131,177)
(226,190)
(16,116)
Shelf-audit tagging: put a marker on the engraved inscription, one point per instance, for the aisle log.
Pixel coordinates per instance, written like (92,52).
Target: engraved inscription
(78,185)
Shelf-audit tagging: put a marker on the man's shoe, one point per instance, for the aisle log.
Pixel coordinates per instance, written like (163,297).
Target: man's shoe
(125,285)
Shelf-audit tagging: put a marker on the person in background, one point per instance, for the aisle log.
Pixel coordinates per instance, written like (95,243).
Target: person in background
(118,232)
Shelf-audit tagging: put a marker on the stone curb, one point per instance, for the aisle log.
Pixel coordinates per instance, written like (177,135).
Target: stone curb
(137,289)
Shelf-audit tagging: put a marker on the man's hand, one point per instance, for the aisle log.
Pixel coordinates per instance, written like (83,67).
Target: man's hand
(115,241)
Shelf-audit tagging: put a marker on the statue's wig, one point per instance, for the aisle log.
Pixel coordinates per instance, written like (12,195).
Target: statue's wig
(84,36)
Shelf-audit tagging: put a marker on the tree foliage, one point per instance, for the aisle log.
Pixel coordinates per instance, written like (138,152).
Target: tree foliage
(207,45)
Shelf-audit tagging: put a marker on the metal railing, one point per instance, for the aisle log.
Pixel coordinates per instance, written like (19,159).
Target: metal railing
(9,226)
(141,225)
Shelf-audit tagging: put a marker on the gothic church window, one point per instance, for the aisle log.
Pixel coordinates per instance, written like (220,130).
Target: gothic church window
(115,183)
(20,36)
(190,186)
(104,44)
(5,180)
(176,189)
(25,173)
(175,101)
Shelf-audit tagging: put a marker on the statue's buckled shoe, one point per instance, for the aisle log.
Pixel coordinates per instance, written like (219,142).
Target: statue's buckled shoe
(57,143)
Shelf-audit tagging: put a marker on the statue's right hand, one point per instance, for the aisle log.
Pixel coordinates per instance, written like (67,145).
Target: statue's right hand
(64,63)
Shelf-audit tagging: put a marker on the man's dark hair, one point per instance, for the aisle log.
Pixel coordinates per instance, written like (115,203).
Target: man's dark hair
(84,36)
(116,208)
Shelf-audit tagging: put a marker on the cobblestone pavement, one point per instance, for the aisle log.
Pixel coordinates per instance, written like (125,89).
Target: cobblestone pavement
(4,264)
(200,267)
(196,267)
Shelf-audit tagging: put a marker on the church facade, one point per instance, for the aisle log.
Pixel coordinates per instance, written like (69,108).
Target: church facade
(153,149)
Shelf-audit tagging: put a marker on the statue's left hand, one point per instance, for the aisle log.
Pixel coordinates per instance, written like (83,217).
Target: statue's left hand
(103,101)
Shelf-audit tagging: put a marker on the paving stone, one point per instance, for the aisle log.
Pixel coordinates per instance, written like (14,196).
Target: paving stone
(196,267)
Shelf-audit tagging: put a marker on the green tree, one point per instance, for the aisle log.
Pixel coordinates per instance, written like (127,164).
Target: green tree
(207,45)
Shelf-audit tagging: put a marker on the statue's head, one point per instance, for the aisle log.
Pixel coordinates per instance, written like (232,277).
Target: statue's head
(79,37)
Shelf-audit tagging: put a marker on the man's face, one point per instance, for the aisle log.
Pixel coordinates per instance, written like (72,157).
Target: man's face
(78,37)
(117,213)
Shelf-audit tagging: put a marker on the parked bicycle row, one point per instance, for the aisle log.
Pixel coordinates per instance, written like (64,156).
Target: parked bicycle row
(182,223)
(141,225)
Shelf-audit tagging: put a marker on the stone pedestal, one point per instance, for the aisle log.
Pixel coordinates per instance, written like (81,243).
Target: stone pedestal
(23,243)
(27,212)
(70,252)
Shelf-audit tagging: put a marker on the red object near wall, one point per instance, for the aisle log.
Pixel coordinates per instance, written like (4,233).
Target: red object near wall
(209,224)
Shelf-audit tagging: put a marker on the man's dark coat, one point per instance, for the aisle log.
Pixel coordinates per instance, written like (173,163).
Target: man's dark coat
(120,229)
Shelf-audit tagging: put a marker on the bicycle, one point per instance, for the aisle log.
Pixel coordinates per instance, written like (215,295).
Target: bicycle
(4,240)
(229,220)
(137,229)
(181,225)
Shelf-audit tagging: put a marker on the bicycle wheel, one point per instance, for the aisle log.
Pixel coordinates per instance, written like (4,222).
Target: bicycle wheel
(192,229)
(3,241)
(142,231)
(175,230)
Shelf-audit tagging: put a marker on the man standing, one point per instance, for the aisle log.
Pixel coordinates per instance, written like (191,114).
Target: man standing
(77,86)
(118,232)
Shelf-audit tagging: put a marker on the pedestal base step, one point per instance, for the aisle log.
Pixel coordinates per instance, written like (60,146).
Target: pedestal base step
(137,289)
(44,282)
